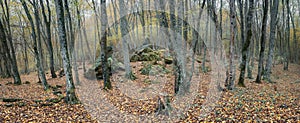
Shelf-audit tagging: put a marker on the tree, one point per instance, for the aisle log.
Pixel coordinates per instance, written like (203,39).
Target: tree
(274,11)
(246,44)
(70,88)
(37,54)
(124,29)
(7,35)
(262,41)
(47,21)
(103,44)
(232,41)
(287,52)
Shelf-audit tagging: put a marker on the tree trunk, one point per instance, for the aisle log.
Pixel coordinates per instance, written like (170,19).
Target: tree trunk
(103,44)
(35,46)
(296,56)
(47,22)
(242,25)
(39,44)
(274,11)
(70,88)
(10,46)
(246,44)
(230,85)
(262,42)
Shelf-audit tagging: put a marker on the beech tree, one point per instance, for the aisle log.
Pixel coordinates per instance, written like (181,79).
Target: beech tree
(274,11)
(6,36)
(262,41)
(37,52)
(246,44)
(70,88)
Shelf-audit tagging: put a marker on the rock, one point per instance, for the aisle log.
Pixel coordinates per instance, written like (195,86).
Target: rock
(35,105)
(57,92)
(135,58)
(9,105)
(283,106)
(90,74)
(11,99)
(53,100)
(46,104)
(58,86)
(27,82)
(9,83)
(147,50)
(37,101)
(21,104)
(168,60)
(146,69)
(61,73)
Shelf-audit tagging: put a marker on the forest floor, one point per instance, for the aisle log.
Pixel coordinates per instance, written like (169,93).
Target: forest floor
(265,102)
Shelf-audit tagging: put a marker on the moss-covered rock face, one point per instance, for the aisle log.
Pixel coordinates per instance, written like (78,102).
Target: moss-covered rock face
(150,69)
(146,54)
(95,72)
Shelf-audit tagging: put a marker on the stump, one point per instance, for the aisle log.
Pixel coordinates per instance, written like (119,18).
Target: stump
(163,105)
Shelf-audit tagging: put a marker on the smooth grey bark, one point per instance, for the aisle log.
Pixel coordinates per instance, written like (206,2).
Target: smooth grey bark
(274,11)
(35,46)
(70,88)
(124,30)
(230,85)
(246,44)
(47,21)
(262,42)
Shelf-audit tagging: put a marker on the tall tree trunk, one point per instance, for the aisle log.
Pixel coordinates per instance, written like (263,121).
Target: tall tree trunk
(274,10)
(262,42)
(39,43)
(242,25)
(246,44)
(103,44)
(287,53)
(73,57)
(70,88)
(124,31)
(47,21)
(230,85)
(296,56)
(86,41)
(35,46)
(10,45)
(80,37)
